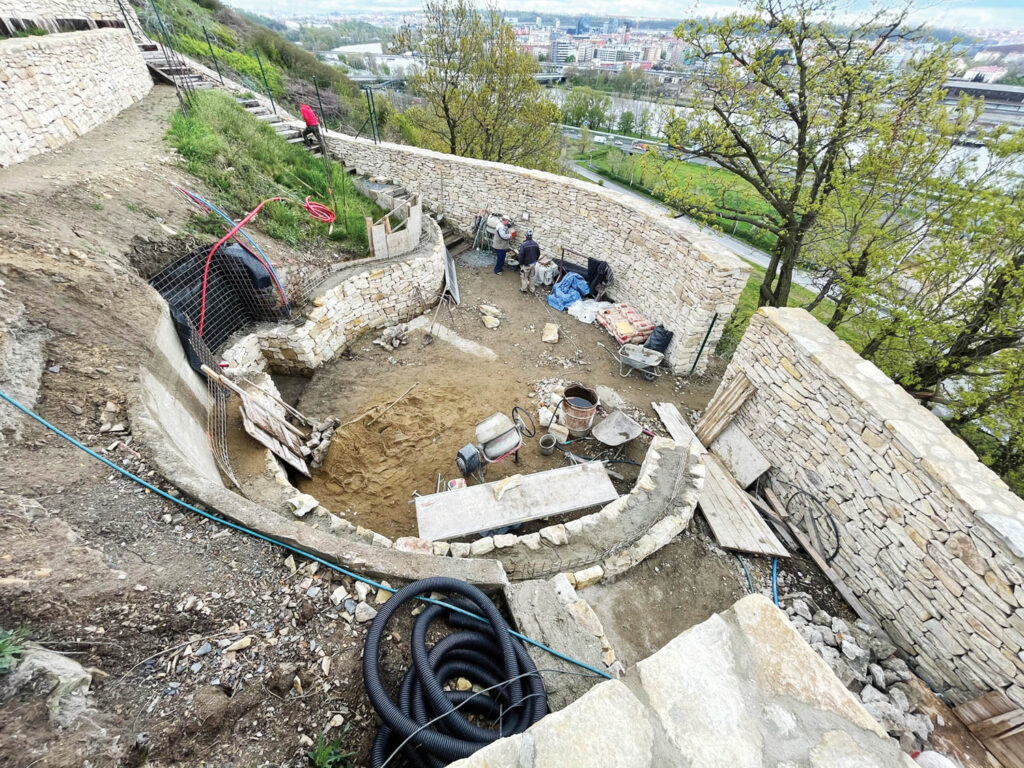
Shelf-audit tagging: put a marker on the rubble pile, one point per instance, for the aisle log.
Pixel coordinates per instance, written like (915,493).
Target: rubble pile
(865,660)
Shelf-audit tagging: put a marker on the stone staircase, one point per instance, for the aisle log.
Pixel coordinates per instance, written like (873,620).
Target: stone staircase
(454,240)
(284,129)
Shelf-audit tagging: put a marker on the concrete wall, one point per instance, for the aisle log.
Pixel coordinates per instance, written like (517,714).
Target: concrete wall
(932,541)
(741,690)
(56,87)
(665,267)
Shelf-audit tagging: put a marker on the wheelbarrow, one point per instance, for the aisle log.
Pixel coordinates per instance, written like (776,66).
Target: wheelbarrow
(632,357)
(497,438)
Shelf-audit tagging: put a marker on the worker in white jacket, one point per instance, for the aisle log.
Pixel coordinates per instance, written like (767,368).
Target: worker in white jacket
(503,235)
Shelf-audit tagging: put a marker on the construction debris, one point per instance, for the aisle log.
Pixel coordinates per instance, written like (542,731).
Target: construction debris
(393,337)
(550,333)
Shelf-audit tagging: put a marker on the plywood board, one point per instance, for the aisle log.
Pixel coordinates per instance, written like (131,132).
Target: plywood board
(733,519)
(675,424)
(744,462)
(452,514)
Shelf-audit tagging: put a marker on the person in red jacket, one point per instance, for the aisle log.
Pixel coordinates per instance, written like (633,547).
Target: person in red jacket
(312,124)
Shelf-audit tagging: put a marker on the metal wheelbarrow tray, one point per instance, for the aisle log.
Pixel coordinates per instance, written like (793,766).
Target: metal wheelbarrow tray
(634,356)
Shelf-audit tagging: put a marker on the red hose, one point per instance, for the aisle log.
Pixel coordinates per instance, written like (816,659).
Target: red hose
(316,210)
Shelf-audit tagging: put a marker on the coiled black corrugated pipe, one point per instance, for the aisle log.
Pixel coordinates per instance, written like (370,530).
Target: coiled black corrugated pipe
(485,654)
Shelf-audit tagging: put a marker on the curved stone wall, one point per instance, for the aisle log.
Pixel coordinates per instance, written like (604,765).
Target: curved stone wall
(378,292)
(670,271)
(56,87)
(932,540)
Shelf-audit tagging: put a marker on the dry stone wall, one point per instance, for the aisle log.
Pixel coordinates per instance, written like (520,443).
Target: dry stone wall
(63,9)
(665,267)
(740,690)
(932,541)
(56,87)
(382,294)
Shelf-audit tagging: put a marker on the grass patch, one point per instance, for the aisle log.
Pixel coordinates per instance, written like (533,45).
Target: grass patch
(245,161)
(713,182)
(12,645)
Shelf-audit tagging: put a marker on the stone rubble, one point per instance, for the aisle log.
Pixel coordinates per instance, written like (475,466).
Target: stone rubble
(865,661)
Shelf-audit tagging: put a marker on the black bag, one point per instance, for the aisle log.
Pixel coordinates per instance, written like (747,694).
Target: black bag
(659,339)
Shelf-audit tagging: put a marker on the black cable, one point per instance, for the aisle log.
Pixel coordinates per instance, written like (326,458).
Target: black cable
(485,654)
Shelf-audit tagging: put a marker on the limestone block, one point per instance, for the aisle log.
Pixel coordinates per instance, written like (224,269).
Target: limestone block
(608,726)
(705,707)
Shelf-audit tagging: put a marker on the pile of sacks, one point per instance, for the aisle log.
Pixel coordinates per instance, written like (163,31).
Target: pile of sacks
(864,658)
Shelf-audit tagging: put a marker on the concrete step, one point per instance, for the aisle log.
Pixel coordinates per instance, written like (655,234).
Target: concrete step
(248,102)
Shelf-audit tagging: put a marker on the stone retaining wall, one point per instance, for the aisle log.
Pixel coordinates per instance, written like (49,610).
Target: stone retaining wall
(607,543)
(56,87)
(665,267)
(63,9)
(383,294)
(932,541)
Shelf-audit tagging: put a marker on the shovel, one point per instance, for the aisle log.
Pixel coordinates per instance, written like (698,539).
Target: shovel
(428,337)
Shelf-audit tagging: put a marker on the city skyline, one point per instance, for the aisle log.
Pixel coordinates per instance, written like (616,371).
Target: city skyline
(958,14)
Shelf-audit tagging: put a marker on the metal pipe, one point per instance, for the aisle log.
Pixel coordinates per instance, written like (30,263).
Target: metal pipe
(265,83)
(703,344)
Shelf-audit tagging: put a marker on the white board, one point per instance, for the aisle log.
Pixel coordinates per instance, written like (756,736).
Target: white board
(451,514)
(740,456)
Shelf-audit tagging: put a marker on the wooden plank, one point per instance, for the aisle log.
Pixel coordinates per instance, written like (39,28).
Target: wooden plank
(731,515)
(996,720)
(776,524)
(740,456)
(841,588)
(452,514)
(675,424)
(723,406)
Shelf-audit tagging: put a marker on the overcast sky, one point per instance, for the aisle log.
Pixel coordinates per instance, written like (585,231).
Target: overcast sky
(992,14)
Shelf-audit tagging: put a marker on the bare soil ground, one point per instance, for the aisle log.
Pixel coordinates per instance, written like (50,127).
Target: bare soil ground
(93,565)
(373,469)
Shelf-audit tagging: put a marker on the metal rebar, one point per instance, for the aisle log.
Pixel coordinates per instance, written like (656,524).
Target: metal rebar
(703,343)
(265,83)
(213,55)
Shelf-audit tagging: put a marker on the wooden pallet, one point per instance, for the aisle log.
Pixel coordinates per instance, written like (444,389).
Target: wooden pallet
(723,406)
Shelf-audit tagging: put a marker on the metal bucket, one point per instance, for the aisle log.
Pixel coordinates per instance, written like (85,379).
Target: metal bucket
(547,445)
(579,407)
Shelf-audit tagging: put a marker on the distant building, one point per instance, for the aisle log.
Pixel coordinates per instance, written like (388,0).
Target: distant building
(561,49)
(989,74)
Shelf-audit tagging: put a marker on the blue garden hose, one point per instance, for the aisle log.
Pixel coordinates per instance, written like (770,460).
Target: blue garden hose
(278,543)
(775,580)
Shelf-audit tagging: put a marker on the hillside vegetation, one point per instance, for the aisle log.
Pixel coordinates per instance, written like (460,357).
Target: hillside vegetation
(236,39)
(245,161)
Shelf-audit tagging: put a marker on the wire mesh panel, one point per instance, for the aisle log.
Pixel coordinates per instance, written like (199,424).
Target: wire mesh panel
(210,299)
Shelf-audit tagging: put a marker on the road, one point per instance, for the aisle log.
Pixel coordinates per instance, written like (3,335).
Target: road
(745,251)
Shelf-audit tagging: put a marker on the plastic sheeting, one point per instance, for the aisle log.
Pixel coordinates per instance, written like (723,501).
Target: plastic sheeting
(567,291)
(585,310)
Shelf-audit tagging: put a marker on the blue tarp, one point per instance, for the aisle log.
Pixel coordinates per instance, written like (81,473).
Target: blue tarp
(569,290)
